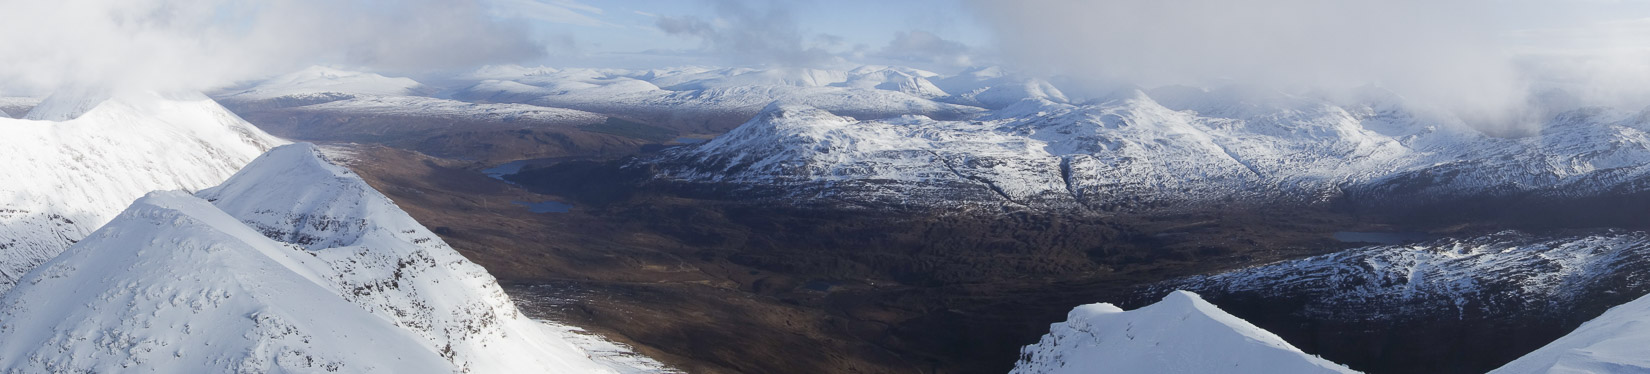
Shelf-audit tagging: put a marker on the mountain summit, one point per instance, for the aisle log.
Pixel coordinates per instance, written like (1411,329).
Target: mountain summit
(293,264)
(1181,334)
(81,172)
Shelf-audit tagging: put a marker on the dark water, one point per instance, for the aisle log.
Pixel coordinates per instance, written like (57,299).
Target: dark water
(1381,237)
(502,170)
(545,206)
(687,140)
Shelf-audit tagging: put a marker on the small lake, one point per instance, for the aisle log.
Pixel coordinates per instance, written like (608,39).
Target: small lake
(545,206)
(1388,238)
(686,140)
(505,169)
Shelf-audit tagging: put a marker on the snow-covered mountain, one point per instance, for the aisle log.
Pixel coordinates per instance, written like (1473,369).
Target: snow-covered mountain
(1496,275)
(1616,342)
(324,90)
(1134,153)
(68,177)
(909,81)
(701,98)
(1180,334)
(1505,293)
(452,110)
(995,88)
(318,83)
(310,268)
(1184,333)
(175,285)
(15,107)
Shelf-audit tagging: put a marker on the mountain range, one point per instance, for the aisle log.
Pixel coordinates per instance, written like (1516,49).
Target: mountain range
(983,182)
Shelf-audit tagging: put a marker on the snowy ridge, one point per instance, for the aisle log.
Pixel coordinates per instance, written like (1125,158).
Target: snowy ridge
(318,270)
(1488,275)
(1133,152)
(382,260)
(425,107)
(16,107)
(81,172)
(319,80)
(808,151)
(174,285)
(663,95)
(1181,334)
(66,105)
(886,78)
(1616,342)
(1494,277)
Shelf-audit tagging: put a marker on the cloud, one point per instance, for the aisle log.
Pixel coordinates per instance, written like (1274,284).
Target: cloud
(1466,57)
(752,32)
(554,11)
(926,48)
(201,44)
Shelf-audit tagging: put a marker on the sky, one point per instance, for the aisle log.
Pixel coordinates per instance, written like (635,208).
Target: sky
(1485,60)
(655,33)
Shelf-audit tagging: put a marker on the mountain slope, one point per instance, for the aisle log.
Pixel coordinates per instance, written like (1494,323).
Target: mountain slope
(1134,153)
(81,172)
(175,285)
(708,100)
(1616,342)
(318,83)
(301,253)
(1447,305)
(379,258)
(1181,334)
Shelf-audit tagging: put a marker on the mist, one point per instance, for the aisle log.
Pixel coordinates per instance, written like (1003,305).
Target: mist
(1490,64)
(753,31)
(203,44)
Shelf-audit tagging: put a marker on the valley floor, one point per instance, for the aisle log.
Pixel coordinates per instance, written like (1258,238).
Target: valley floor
(712,287)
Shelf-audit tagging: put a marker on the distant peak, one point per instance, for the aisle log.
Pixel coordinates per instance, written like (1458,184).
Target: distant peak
(986,72)
(68,104)
(1181,333)
(781,110)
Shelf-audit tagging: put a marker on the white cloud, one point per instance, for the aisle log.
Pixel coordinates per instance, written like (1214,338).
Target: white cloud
(1467,56)
(554,11)
(746,32)
(199,44)
(923,47)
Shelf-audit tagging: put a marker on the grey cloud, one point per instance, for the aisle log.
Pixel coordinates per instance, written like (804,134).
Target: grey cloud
(686,25)
(925,47)
(751,31)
